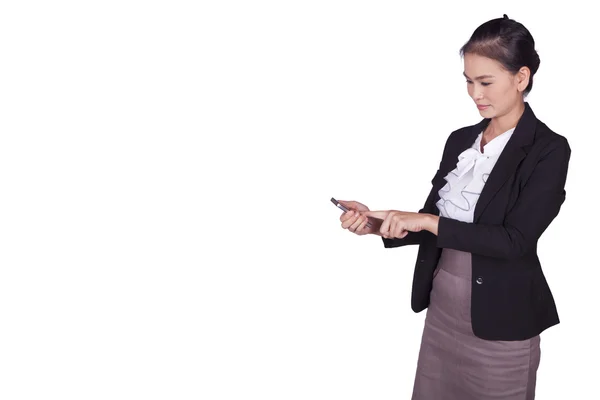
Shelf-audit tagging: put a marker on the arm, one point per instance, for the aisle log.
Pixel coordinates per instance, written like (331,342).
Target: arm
(538,204)
(415,237)
(411,237)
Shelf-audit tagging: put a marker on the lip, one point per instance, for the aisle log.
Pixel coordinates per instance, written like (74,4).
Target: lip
(481,107)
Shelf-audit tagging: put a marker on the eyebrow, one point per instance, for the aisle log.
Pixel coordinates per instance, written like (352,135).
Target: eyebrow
(479,77)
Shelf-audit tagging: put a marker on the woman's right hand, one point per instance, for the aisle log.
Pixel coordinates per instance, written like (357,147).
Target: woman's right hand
(355,222)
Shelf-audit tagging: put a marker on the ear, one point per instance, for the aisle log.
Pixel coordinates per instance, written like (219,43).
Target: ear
(522,78)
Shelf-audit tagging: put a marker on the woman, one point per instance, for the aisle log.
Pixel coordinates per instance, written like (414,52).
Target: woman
(499,185)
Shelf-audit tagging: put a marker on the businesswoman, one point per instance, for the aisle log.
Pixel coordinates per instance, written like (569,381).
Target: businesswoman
(499,185)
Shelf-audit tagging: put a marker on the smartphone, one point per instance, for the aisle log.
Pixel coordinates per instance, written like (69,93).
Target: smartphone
(338,205)
(344,209)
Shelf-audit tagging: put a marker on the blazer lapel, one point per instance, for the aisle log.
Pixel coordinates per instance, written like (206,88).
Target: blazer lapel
(508,160)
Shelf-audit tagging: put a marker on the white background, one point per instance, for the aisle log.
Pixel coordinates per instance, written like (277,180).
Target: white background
(165,175)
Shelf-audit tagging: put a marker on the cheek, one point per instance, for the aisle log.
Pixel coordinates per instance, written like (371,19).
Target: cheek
(496,92)
(507,90)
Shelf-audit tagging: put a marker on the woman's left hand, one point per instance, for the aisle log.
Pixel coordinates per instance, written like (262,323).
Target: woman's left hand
(397,224)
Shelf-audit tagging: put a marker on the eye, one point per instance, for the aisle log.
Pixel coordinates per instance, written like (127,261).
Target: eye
(482,83)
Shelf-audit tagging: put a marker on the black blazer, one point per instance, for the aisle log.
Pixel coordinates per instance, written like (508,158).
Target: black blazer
(510,297)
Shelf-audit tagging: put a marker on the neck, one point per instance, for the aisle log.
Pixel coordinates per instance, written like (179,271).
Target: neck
(501,124)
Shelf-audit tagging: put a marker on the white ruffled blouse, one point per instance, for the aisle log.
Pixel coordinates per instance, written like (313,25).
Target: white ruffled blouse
(465,183)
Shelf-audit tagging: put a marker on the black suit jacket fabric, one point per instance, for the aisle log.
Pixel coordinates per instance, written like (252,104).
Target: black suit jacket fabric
(510,298)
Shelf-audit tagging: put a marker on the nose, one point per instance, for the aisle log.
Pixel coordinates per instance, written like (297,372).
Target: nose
(477,94)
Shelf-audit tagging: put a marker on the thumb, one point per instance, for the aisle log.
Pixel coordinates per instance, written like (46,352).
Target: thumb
(376,214)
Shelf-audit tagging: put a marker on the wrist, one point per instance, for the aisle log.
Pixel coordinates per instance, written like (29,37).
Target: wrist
(431,223)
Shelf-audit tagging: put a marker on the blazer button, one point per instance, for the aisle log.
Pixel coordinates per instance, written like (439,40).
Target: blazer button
(422,260)
(479,280)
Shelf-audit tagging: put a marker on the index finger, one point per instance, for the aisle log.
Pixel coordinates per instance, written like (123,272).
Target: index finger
(376,214)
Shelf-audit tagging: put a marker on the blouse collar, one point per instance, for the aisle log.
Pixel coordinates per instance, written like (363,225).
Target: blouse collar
(494,146)
(468,158)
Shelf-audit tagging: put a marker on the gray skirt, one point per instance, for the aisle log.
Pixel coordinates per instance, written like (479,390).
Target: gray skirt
(453,363)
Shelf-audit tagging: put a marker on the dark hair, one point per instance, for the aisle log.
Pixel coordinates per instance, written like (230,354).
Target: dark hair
(506,41)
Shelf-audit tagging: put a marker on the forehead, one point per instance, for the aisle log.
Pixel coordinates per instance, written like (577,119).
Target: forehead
(476,65)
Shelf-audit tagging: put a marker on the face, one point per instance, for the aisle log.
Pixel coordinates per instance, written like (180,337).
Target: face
(490,85)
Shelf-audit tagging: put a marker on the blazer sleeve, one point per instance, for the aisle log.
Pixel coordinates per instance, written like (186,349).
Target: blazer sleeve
(415,237)
(412,237)
(537,205)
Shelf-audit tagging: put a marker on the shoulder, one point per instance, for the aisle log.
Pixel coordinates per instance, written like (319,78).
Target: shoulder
(462,136)
(462,132)
(546,140)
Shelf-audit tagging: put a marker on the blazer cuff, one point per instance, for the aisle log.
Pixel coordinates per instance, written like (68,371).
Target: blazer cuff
(390,243)
(411,238)
(447,228)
